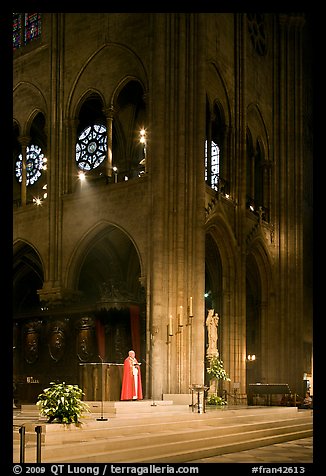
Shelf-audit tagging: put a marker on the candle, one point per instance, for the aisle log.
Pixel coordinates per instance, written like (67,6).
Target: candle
(190,307)
(170,326)
(181,316)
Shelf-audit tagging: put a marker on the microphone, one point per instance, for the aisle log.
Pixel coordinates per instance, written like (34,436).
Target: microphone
(149,365)
(153,403)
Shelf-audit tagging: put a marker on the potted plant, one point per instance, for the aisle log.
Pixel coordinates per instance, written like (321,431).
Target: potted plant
(62,402)
(217,372)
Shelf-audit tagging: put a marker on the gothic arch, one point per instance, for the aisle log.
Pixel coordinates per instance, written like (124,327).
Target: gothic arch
(86,242)
(119,60)
(28,276)
(34,102)
(232,320)
(257,248)
(88,94)
(258,129)
(226,244)
(216,91)
(261,339)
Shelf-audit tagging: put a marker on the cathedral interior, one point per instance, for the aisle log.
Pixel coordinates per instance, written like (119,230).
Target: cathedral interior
(162,168)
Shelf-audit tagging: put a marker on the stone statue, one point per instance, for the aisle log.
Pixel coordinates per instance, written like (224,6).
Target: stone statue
(212,324)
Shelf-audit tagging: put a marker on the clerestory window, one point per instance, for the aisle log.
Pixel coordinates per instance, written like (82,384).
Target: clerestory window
(35,164)
(26,28)
(212,164)
(91,147)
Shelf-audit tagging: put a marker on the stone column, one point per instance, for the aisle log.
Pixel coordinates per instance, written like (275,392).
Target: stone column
(24,140)
(109,113)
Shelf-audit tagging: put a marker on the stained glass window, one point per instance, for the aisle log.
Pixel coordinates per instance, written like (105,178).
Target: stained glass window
(212,174)
(35,163)
(17,30)
(26,27)
(32,26)
(91,147)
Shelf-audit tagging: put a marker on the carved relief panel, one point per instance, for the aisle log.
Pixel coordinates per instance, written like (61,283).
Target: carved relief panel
(57,339)
(86,339)
(31,337)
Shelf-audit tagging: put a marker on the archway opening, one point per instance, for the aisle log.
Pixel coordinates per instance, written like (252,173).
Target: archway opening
(109,280)
(253,322)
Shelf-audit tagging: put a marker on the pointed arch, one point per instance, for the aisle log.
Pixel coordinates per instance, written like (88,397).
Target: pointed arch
(231,295)
(28,276)
(34,102)
(98,232)
(260,312)
(119,60)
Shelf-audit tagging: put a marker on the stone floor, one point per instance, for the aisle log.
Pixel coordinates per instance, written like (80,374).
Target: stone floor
(296,451)
(291,452)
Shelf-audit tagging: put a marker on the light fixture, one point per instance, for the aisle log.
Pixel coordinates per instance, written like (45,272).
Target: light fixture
(81,176)
(37,201)
(251,357)
(142,136)
(115,170)
(143,141)
(180,315)
(191,314)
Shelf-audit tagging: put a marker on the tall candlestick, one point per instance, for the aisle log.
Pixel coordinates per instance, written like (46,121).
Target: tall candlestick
(190,307)
(170,327)
(181,316)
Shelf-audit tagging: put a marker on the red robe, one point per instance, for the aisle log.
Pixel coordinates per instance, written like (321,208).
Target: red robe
(128,383)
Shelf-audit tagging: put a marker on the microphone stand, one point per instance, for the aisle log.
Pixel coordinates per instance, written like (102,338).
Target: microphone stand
(153,404)
(102,391)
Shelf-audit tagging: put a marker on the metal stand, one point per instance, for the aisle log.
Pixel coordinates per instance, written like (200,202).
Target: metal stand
(22,444)
(38,430)
(200,389)
(102,391)
(153,404)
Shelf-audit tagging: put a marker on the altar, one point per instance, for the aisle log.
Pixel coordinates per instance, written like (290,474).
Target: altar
(92,375)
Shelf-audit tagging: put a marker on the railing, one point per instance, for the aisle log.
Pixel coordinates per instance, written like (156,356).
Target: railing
(22,442)
(258,210)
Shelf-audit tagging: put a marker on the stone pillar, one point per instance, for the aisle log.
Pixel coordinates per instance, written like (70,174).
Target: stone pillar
(109,113)
(24,140)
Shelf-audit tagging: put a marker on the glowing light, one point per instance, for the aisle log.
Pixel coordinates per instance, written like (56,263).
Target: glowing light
(142,134)
(81,176)
(180,316)
(170,326)
(37,201)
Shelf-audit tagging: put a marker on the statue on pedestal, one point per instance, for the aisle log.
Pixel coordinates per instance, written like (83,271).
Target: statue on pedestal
(212,325)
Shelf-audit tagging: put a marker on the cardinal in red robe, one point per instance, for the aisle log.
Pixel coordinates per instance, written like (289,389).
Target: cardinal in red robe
(131,380)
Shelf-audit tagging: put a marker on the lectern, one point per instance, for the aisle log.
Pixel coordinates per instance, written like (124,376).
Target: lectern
(90,378)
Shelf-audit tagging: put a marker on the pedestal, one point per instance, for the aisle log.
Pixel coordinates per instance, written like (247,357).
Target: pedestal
(199,391)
